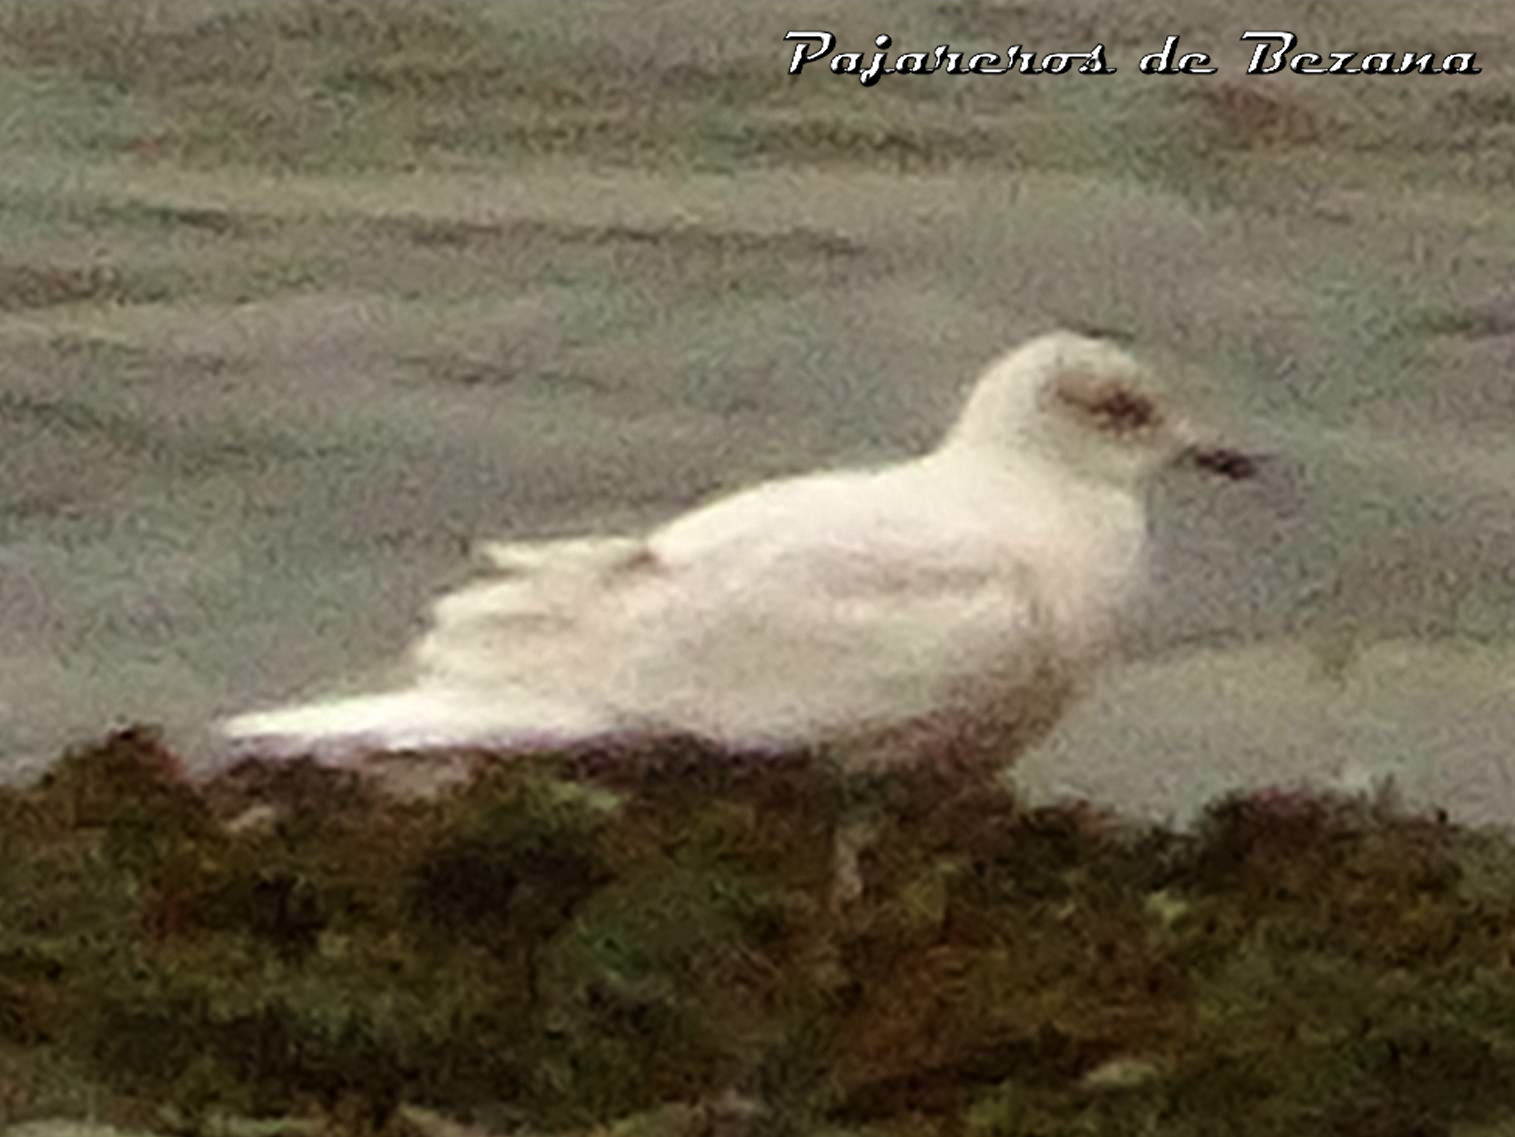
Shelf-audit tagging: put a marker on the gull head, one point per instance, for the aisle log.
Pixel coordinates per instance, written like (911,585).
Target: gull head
(1091,409)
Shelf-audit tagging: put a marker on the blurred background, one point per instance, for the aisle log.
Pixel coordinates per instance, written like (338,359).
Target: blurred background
(298,297)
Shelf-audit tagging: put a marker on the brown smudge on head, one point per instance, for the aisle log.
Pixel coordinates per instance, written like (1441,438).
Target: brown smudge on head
(1112,407)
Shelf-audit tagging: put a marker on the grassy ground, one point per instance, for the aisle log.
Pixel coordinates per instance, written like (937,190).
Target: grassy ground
(645,942)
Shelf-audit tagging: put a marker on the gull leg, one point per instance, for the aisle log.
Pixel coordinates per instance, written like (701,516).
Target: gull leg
(855,835)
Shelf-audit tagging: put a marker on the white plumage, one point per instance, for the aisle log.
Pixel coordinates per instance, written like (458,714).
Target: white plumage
(946,606)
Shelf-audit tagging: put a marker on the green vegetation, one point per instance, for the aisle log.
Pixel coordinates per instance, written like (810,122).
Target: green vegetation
(647,941)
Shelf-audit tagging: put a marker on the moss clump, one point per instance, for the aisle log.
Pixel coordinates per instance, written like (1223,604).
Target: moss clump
(645,939)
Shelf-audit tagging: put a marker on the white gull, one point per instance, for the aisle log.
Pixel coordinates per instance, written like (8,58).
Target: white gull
(946,607)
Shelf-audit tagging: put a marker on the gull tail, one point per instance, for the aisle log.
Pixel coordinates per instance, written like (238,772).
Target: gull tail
(420,718)
(493,645)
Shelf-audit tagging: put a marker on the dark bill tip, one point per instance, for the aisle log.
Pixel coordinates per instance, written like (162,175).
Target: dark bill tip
(1222,460)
